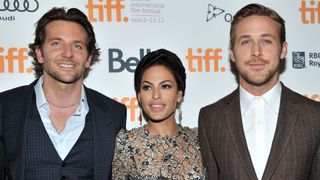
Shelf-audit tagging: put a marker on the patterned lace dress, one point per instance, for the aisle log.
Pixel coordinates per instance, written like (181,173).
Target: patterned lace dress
(139,155)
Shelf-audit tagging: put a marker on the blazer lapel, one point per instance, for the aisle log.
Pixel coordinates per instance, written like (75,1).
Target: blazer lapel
(31,102)
(286,121)
(234,121)
(100,138)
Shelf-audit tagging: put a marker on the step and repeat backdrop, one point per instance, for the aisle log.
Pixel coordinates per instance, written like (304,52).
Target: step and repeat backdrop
(196,30)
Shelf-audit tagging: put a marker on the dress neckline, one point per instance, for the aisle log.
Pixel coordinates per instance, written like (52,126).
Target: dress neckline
(175,136)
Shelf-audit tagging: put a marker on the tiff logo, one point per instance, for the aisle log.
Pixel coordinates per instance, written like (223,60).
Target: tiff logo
(105,9)
(13,57)
(132,107)
(315,97)
(209,55)
(310,14)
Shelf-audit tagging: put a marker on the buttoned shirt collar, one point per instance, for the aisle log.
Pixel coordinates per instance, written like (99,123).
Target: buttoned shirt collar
(271,98)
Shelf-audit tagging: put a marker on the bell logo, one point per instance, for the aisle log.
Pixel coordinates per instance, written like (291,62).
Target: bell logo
(310,14)
(132,107)
(209,55)
(13,57)
(117,63)
(105,10)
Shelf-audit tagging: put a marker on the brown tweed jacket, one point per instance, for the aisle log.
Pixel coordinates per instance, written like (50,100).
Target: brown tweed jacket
(295,152)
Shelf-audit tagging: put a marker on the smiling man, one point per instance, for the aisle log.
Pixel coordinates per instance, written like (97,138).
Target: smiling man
(57,128)
(262,130)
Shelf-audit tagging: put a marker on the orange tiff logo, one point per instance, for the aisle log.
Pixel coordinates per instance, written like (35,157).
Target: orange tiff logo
(105,9)
(132,106)
(209,57)
(314,97)
(13,58)
(310,13)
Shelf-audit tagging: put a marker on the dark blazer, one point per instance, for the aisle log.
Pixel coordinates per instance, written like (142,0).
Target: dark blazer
(108,118)
(2,160)
(295,151)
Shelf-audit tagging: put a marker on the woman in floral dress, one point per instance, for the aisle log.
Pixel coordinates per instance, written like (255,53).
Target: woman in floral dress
(162,148)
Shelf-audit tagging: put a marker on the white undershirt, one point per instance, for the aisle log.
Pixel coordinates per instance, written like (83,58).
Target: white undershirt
(259,118)
(65,140)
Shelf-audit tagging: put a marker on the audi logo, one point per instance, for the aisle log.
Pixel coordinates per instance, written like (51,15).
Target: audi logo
(16,5)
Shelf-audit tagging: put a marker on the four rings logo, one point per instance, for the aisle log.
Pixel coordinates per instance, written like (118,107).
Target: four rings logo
(19,5)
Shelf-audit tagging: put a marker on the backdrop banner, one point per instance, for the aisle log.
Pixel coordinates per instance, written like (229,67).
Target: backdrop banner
(196,30)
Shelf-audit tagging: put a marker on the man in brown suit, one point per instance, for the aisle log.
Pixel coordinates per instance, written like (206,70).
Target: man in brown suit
(262,130)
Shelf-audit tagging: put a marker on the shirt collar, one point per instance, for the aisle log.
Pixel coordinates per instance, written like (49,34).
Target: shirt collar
(271,98)
(40,98)
(42,102)
(84,100)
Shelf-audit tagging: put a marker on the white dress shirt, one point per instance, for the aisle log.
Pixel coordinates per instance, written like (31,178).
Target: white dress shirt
(65,140)
(259,119)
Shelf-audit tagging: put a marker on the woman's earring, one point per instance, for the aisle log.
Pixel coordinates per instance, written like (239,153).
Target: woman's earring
(140,117)
(179,113)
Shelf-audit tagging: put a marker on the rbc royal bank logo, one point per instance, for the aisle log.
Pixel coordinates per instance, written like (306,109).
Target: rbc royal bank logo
(298,60)
(305,59)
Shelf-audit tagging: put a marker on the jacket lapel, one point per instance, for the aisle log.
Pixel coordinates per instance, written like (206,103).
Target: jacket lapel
(30,103)
(234,122)
(100,137)
(287,118)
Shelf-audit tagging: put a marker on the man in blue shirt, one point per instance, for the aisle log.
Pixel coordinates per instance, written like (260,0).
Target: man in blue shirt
(56,127)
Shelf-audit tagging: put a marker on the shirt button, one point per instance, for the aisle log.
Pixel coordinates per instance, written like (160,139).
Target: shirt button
(63,164)
(63,177)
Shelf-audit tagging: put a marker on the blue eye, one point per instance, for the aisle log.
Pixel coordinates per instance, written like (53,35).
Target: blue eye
(267,41)
(55,43)
(245,42)
(78,46)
